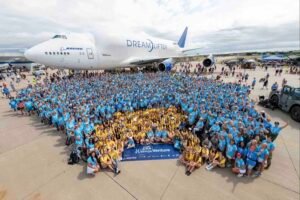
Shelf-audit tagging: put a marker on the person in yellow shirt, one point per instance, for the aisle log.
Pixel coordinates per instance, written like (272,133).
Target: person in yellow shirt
(205,153)
(110,143)
(198,149)
(120,147)
(141,137)
(212,155)
(107,162)
(219,161)
(186,157)
(194,164)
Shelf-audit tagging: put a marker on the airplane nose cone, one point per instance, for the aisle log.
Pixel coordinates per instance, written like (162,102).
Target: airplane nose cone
(29,54)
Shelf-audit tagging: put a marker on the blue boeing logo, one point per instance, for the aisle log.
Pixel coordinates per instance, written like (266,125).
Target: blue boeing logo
(70,48)
(148,44)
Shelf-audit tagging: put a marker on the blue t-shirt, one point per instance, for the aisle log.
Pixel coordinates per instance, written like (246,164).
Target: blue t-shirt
(222,145)
(91,161)
(77,131)
(275,130)
(262,154)
(89,144)
(239,162)
(158,133)
(215,128)
(61,120)
(13,104)
(199,125)
(55,118)
(231,150)
(164,134)
(150,134)
(177,144)
(242,151)
(251,158)
(271,145)
(70,126)
(79,140)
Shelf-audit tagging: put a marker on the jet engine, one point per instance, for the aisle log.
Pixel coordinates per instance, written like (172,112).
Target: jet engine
(166,65)
(209,61)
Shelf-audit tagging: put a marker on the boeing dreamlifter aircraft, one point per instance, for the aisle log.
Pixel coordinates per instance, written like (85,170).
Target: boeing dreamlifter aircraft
(109,51)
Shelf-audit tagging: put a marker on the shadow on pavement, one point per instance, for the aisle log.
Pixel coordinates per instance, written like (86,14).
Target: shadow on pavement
(231,178)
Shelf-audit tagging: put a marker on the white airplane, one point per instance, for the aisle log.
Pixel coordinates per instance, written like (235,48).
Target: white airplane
(13,58)
(109,51)
(4,66)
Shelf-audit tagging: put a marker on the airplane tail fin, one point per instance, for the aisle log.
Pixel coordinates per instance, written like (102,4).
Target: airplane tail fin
(181,41)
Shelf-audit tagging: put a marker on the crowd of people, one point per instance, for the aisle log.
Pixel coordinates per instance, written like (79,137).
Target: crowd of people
(212,123)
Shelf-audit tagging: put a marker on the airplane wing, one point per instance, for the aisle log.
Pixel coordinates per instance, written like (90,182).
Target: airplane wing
(145,61)
(12,55)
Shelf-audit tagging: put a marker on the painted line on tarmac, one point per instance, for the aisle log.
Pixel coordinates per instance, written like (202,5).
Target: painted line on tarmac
(125,189)
(162,195)
(289,155)
(282,186)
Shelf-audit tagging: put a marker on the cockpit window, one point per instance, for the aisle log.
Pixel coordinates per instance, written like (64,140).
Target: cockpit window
(60,36)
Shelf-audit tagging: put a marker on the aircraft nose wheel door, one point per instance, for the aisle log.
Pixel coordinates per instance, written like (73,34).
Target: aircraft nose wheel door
(89,53)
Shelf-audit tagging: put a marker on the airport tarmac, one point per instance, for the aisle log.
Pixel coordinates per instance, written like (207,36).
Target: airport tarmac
(33,163)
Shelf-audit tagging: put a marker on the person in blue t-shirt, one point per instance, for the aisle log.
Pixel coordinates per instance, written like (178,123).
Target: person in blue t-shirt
(13,104)
(253,83)
(199,128)
(90,146)
(54,119)
(70,127)
(214,129)
(222,143)
(231,149)
(164,136)
(263,154)
(271,147)
(275,130)
(157,136)
(78,143)
(177,143)
(239,166)
(150,137)
(61,122)
(251,159)
(92,164)
(241,149)
(29,107)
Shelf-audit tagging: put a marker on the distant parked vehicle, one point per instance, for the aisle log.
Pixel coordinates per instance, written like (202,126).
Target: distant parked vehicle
(288,99)
(38,72)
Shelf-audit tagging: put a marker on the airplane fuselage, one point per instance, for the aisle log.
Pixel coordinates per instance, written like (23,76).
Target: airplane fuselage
(100,51)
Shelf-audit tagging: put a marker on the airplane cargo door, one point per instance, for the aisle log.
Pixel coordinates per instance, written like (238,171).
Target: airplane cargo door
(89,53)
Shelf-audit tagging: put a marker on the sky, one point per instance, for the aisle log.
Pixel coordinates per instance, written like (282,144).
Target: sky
(214,25)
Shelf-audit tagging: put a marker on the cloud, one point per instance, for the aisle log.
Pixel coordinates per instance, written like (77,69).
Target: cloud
(281,37)
(216,25)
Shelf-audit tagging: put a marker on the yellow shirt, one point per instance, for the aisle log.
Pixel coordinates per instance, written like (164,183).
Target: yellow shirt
(199,160)
(110,143)
(198,149)
(114,154)
(105,159)
(222,162)
(217,155)
(205,151)
(189,156)
(142,135)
